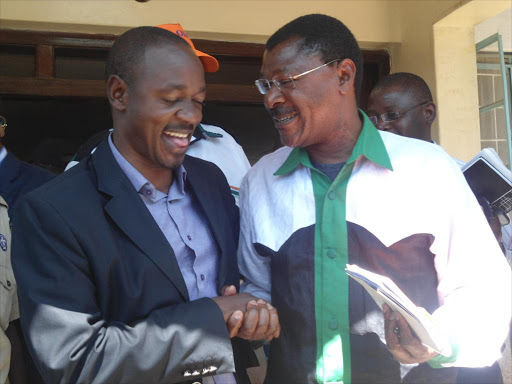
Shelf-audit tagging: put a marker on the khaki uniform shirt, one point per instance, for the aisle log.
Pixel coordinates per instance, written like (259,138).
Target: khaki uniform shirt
(8,297)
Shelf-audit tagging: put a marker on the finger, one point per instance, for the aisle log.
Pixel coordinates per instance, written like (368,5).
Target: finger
(278,332)
(234,323)
(228,290)
(387,311)
(273,323)
(250,321)
(410,341)
(263,321)
(393,338)
(392,332)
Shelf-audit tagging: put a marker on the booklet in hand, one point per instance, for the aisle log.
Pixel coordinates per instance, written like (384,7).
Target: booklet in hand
(488,177)
(384,291)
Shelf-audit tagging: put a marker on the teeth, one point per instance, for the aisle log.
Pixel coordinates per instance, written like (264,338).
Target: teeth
(285,119)
(176,134)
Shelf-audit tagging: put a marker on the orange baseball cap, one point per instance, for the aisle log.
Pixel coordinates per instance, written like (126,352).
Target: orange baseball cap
(210,63)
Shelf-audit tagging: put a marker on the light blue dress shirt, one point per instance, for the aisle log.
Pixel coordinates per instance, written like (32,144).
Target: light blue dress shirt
(185,227)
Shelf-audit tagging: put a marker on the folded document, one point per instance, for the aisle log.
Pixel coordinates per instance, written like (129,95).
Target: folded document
(384,291)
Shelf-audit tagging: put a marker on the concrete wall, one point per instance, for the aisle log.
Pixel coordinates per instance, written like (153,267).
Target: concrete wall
(456,75)
(240,20)
(432,38)
(415,54)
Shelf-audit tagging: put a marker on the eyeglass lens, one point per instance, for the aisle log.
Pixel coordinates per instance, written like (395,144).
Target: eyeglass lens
(386,117)
(263,86)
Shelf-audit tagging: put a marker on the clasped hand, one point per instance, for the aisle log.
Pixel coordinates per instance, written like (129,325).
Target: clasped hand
(247,316)
(401,340)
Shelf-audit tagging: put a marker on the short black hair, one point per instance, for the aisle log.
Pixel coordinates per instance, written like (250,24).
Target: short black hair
(324,35)
(130,47)
(409,82)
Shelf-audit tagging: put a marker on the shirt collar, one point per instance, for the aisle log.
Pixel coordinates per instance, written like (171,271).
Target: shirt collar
(138,180)
(369,144)
(200,133)
(3,154)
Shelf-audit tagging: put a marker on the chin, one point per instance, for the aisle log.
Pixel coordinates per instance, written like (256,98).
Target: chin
(288,141)
(173,163)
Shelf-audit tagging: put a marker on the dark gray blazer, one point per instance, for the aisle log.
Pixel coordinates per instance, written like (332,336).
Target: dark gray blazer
(17,178)
(102,298)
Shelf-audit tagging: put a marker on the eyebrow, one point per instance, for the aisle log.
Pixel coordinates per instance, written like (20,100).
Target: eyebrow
(282,70)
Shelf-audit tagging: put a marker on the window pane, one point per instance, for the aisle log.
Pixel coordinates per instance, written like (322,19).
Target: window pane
(78,63)
(488,144)
(17,61)
(487,125)
(500,123)
(503,152)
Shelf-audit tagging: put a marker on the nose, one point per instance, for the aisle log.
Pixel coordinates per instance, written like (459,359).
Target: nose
(382,125)
(190,113)
(273,97)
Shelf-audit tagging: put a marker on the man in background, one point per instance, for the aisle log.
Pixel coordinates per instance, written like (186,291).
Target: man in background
(8,297)
(402,103)
(17,178)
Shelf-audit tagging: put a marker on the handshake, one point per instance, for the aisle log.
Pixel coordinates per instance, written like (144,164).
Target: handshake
(246,316)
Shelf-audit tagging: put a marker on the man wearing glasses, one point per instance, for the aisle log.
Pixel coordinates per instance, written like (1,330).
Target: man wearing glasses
(342,192)
(402,103)
(389,109)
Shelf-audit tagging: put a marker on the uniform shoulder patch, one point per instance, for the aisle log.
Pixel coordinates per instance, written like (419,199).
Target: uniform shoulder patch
(3,243)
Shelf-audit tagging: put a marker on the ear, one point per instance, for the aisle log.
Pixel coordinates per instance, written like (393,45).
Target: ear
(346,71)
(430,112)
(117,92)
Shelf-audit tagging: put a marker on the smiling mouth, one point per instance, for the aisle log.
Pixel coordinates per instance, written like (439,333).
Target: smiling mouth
(285,119)
(179,135)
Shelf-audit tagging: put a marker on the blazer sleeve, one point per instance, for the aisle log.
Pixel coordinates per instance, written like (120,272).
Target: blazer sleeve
(67,334)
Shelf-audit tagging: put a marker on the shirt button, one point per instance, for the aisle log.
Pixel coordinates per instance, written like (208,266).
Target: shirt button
(331,253)
(8,283)
(203,277)
(332,195)
(148,192)
(189,237)
(333,324)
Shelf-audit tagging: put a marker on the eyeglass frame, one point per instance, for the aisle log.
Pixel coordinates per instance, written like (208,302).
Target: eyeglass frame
(288,78)
(400,114)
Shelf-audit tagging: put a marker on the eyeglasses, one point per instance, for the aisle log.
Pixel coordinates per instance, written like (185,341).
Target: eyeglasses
(286,82)
(3,122)
(393,116)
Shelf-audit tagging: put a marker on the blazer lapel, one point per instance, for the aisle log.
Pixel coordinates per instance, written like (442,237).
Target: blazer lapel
(129,212)
(209,201)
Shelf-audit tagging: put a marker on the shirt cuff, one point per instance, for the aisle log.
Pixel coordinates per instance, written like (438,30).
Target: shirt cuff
(440,361)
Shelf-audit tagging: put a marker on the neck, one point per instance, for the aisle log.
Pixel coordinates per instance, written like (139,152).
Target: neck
(427,136)
(161,177)
(340,144)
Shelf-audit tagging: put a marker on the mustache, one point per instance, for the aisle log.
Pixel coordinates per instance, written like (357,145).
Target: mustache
(276,111)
